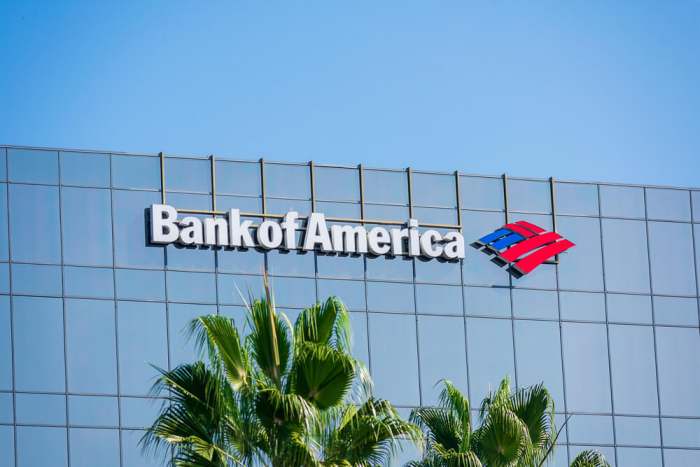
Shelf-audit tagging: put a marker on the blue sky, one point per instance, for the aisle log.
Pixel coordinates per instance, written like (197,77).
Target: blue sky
(577,90)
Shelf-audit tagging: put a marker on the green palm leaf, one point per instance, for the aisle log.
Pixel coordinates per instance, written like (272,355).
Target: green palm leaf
(590,459)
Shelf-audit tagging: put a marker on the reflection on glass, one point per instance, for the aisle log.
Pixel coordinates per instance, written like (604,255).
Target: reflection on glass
(487,369)
(481,193)
(483,301)
(638,431)
(287,181)
(678,351)
(40,409)
(32,166)
(351,293)
(31,279)
(88,282)
(337,184)
(192,175)
(638,457)
(87,214)
(140,284)
(625,272)
(191,287)
(383,186)
(390,297)
(629,308)
(138,172)
(529,196)
(442,355)
(587,375)
(238,178)
(666,204)
(52,443)
(671,250)
(439,299)
(681,432)
(35,223)
(577,198)
(676,310)
(590,429)
(96,411)
(582,306)
(86,169)
(622,201)
(87,445)
(535,304)
(433,190)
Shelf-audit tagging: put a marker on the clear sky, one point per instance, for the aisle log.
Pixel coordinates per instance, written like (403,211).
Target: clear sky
(590,90)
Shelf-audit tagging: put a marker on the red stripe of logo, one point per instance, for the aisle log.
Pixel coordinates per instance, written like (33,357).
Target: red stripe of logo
(533,260)
(528,245)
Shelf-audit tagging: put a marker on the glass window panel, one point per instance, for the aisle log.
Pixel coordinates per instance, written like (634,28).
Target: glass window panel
(40,409)
(283,206)
(34,224)
(607,451)
(6,408)
(5,344)
(3,164)
(131,244)
(438,271)
(671,250)
(140,285)
(678,351)
(192,287)
(32,166)
(625,272)
(442,355)
(481,193)
(386,212)
(93,411)
(582,306)
(4,278)
(675,310)
(136,172)
(142,343)
(139,412)
(433,189)
(577,198)
(483,301)
(87,445)
(439,299)
(637,431)
(132,455)
(7,446)
(87,215)
(182,348)
(538,357)
(33,279)
(344,210)
(249,261)
(671,205)
(240,178)
(287,181)
(581,267)
(41,446)
(529,196)
(291,263)
(87,169)
(638,457)
(4,245)
(341,266)
(487,369)
(235,289)
(383,186)
(351,293)
(293,292)
(535,304)
(695,195)
(390,297)
(226,203)
(338,184)
(590,429)
(629,308)
(681,432)
(587,375)
(190,257)
(477,268)
(91,346)
(188,175)
(38,339)
(435,216)
(392,340)
(398,268)
(622,201)
(633,369)
(88,282)
(360,345)
(681,457)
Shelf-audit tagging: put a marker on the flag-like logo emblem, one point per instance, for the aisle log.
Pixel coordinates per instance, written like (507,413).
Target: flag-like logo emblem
(521,246)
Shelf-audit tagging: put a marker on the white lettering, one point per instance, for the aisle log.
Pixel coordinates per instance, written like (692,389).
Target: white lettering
(215,231)
(317,233)
(289,225)
(349,239)
(163,224)
(270,234)
(239,232)
(378,241)
(191,232)
(454,246)
(430,243)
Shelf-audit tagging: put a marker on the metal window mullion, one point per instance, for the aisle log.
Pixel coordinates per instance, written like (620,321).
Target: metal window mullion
(458,198)
(162,177)
(504,179)
(212,160)
(12,325)
(409,176)
(361,170)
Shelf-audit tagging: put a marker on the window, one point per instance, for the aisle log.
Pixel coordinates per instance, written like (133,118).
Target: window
(587,374)
(190,257)
(140,285)
(439,299)
(590,429)
(249,261)
(30,279)
(32,166)
(681,457)
(93,411)
(87,445)
(392,340)
(34,224)
(341,266)
(191,287)
(7,445)
(236,290)
(442,355)
(360,346)
(351,293)
(87,214)
(40,409)
(38,339)
(293,292)
(3,164)
(538,357)
(385,212)
(438,271)
(433,189)
(625,271)
(131,244)
(671,250)
(142,342)
(529,196)
(182,348)
(681,432)
(5,344)
(629,308)
(85,169)
(487,369)
(4,245)
(88,282)
(638,457)
(91,346)
(138,172)
(637,431)
(238,178)
(287,181)
(291,263)
(670,205)
(481,193)
(345,210)
(52,443)
(7,414)
(675,310)
(139,412)
(435,216)
(582,306)
(581,267)
(633,369)
(678,351)
(226,203)
(622,201)
(383,186)
(337,184)
(535,304)
(483,301)
(390,297)
(132,455)
(477,268)
(193,175)
(695,195)
(577,198)
(4,278)
(399,268)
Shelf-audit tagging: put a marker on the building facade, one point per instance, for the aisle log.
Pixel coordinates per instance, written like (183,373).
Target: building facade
(87,303)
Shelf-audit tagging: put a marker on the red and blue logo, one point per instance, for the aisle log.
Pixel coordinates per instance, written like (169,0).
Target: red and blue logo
(521,246)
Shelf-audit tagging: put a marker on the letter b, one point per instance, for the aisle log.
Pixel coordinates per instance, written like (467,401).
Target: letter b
(163,224)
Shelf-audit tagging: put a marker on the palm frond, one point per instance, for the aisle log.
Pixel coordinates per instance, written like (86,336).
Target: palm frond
(590,459)
(321,374)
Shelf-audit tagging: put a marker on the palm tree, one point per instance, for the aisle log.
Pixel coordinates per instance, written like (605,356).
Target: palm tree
(283,396)
(517,430)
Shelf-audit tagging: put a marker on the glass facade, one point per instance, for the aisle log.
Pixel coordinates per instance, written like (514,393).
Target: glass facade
(87,305)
